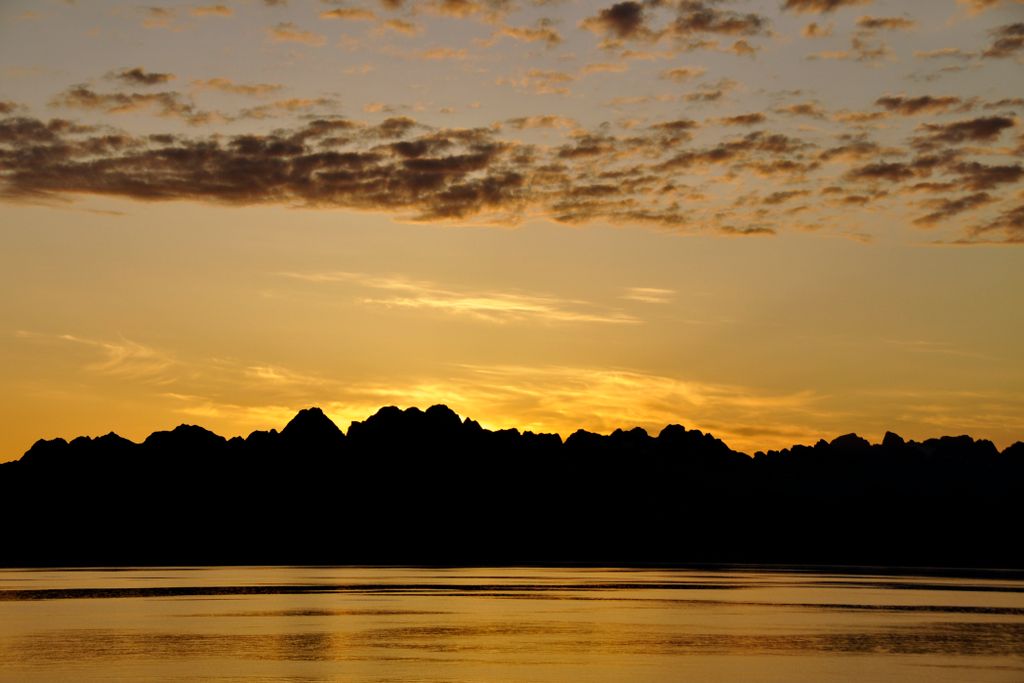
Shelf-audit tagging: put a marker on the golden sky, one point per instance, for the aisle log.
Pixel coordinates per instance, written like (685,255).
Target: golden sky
(775,220)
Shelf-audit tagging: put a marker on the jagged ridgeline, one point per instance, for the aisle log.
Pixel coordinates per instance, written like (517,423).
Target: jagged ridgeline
(426,487)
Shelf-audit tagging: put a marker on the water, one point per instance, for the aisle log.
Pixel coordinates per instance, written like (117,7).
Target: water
(508,624)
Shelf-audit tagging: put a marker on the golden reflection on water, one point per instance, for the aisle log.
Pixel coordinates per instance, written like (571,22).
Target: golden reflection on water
(515,624)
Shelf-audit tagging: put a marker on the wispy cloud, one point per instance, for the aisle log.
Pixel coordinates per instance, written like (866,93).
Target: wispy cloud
(167,104)
(541,81)
(229,86)
(287,32)
(281,376)
(546,398)
(542,121)
(822,6)
(498,307)
(563,398)
(236,395)
(442,53)
(349,14)
(604,68)
(543,32)
(486,305)
(649,295)
(401,26)
(682,74)
(979,6)
(122,358)
(212,11)
(139,76)
(158,17)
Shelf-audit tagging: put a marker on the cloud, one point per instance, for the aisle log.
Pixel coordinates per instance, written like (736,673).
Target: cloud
(974,175)
(853,148)
(893,172)
(541,81)
(212,11)
(229,86)
(751,119)
(487,306)
(281,377)
(401,26)
(139,76)
(277,107)
(821,6)
(349,14)
(443,53)
(1007,228)
(649,55)
(781,197)
(1009,40)
(378,107)
(859,117)
(541,398)
(287,32)
(650,295)
(816,30)
(742,48)
(865,46)
(674,132)
(673,174)
(809,109)
(734,150)
(158,17)
(909,106)
(565,398)
(1005,102)
(587,145)
(681,74)
(703,17)
(711,92)
(542,121)
(490,11)
(945,209)
(981,129)
(621,20)
(123,359)
(746,231)
(165,103)
(544,32)
(979,6)
(302,165)
(943,53)
(630,21)
(604,68)
(497,307)
(886,23)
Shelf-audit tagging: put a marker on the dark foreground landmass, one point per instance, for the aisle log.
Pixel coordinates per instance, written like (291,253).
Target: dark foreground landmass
(424,487)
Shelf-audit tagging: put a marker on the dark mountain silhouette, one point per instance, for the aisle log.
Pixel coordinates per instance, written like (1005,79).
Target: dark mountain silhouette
(426,487)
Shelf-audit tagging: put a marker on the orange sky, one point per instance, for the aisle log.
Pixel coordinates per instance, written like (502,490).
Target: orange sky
(775,220)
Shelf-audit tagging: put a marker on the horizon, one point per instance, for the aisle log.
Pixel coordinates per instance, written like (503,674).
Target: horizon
(769,220)
(653,433)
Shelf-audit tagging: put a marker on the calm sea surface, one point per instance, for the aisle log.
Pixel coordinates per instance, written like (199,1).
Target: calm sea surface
(507,624)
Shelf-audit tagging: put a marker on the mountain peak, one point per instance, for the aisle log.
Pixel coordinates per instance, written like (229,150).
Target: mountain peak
(185,436)
(310,425)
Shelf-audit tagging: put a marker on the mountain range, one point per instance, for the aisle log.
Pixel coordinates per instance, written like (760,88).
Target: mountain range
(427,487)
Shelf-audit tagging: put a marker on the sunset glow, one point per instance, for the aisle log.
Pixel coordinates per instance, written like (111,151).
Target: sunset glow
(774,220)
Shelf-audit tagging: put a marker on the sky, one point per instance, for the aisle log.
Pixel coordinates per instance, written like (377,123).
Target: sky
(774,220)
